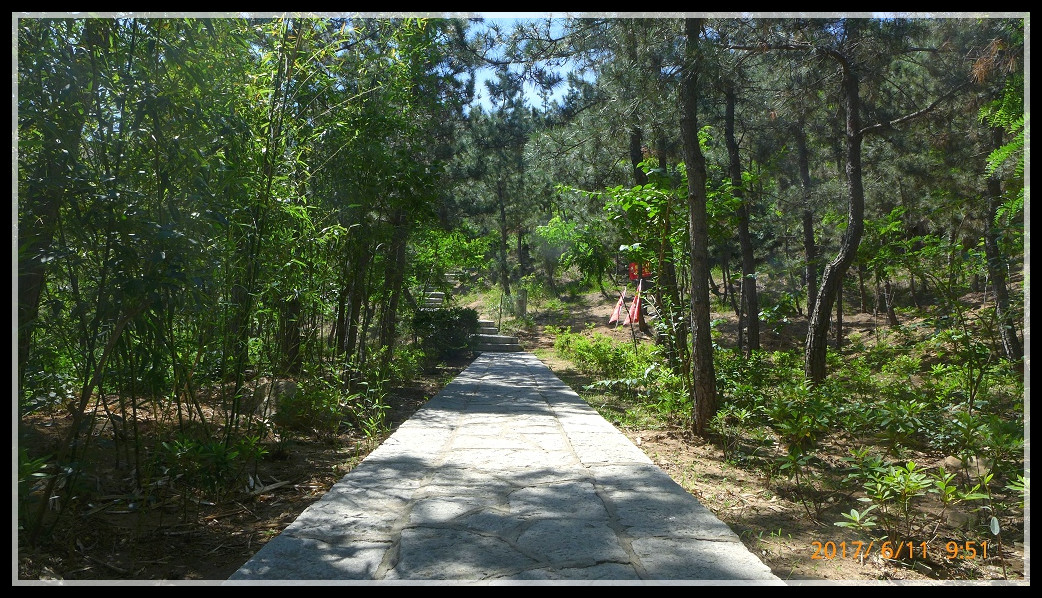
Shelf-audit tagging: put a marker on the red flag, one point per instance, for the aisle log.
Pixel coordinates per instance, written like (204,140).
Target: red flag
(618,308)
(634,315)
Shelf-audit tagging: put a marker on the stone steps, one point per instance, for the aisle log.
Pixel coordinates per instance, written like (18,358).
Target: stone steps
(433,300)
(489,339)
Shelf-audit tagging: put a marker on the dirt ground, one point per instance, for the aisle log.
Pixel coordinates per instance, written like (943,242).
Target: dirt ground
(110,538)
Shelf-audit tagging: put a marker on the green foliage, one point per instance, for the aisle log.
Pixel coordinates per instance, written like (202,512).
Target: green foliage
(208,466)
(49,380)
(601,355)
(1020,486)
(557,232)
(31,472)
(801,413)
(538,293)
(730,422)
(368,410)
(314,408)
(860,521)
(776,314)
(583,247)
(446,331)
(408,362)
(1008,114)
(894,489)
(437,252)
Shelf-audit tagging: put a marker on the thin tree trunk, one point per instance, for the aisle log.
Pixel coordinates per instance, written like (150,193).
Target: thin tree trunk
(289,340)
(817,329)
(725,276)
(339,336)
(740,342)
(839,318)
(521,251)
(365,309)
(637,155)
(810,276)
(714,288)
(878,297)
(861,288)
(953,237)
(394,278)
(355,300)
(750,302)
(703,387)
(888,294)
(504,275)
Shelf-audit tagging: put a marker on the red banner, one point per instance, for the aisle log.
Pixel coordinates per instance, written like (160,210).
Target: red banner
(635,272)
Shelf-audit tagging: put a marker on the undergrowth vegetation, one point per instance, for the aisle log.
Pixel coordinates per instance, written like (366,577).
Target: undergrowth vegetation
(915,440)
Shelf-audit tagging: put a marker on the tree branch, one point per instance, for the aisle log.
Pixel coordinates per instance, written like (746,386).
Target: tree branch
(879,127)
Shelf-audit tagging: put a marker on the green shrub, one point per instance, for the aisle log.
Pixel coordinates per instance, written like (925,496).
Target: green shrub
(407,363)
(445,332)
(600,355)
(315,408)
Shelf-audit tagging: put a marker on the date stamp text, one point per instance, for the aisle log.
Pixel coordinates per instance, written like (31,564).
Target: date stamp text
(968,550)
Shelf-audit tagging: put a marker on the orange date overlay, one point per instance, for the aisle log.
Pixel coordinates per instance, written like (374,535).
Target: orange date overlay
(829,550)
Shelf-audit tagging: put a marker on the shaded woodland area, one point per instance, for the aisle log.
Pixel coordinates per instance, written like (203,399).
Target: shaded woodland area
(226,228)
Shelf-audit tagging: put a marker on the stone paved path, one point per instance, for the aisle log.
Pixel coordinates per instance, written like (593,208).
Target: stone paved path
(506,476)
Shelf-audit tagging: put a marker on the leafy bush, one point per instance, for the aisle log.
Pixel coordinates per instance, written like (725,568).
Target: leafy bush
(600,355)
(445,332)
(408,361)
(315,408)
(212,466)
(367,410)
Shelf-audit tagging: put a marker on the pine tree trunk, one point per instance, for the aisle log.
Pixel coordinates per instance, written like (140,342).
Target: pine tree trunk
(504,275)
(750,301)
(810,276)
(703,387)
(888,293)
(817,330)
